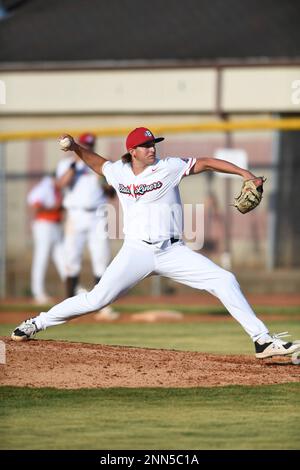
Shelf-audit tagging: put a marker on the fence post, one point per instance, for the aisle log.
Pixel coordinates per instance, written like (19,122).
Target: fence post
(2,222)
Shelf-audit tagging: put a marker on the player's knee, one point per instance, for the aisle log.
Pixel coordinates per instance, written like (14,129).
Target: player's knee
(98,298)
(228,278)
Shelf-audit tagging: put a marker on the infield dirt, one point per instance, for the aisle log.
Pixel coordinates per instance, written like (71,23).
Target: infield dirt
(68,365)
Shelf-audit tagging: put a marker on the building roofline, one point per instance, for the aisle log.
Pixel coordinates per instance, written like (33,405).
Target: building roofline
(146,64)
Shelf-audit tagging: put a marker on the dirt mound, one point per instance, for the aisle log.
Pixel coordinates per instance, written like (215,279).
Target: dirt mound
(59,364)
(152,316)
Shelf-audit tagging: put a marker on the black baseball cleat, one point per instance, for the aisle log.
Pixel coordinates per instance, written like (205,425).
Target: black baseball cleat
(274,346)
(25,331)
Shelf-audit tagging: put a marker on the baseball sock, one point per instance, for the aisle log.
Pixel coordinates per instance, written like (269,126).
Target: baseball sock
(265,338)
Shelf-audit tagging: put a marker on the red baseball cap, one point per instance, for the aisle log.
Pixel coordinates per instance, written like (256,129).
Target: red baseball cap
(140,136)
(87,139)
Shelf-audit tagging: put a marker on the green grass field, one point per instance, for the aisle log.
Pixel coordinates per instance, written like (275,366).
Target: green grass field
(235,417)
(219,337)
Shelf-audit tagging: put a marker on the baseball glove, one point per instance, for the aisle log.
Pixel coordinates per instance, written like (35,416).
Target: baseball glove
(250,195)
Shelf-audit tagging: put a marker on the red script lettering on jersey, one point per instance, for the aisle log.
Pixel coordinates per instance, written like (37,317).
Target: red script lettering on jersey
(139,189)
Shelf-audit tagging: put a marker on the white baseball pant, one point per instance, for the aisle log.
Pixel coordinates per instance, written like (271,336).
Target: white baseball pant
(136,260)
(48,240)
(86,226)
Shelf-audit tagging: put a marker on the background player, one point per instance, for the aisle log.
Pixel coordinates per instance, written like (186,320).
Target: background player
(148,191)
(45,200)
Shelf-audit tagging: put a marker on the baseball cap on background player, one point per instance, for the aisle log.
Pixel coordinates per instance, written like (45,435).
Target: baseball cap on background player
(87,139)
(137,137)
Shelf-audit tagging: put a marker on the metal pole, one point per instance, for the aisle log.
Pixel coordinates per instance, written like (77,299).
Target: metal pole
(272,218)
(2,223)
(227,255)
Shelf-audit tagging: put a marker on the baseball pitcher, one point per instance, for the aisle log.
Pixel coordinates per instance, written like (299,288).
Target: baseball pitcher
(148,187)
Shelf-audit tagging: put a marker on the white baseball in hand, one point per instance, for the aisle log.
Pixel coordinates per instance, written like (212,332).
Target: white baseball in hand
(65,143)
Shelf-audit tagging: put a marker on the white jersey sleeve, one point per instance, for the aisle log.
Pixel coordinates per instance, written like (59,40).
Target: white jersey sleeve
(108,172)
(179,167)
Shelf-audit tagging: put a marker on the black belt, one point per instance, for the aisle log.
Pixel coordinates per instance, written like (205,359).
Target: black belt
(172,240)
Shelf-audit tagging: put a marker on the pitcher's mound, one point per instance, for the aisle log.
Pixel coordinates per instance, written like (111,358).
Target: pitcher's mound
(61,364)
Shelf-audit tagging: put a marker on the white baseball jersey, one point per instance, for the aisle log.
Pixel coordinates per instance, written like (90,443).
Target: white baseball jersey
(150,200)
(86,191)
